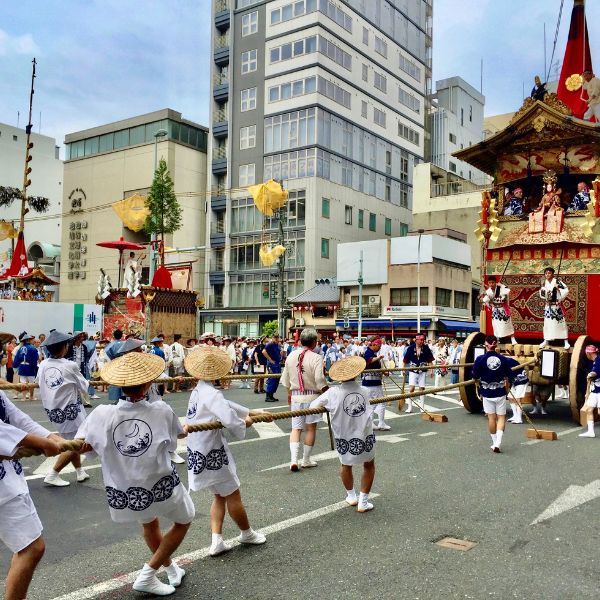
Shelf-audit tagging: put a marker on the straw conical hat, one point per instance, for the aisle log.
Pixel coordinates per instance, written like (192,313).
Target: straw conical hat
(208,363)
(347,368)
(134,368)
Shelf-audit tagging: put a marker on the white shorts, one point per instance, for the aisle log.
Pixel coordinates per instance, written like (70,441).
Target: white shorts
(417,379)
(519,391)
(225,488)
(183,513)
(26,378)
(593,400)
(496,406)
(20,525)
(300,422)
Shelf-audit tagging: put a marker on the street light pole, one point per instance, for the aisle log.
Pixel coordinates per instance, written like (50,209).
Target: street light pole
(360,295)
(421,231)
(157,134)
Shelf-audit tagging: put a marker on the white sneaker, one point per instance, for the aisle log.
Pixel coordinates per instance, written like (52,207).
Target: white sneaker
(587,434)
(153,586)
(517,421)
(219,547)
(408,409)
(82,475)
(254,537)
(175,574)
(307,464)
(175,458)
(384,427)
(95,397)
(365,507)
(56,480)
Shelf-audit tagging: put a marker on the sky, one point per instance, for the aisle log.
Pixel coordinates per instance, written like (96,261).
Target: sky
(104,60)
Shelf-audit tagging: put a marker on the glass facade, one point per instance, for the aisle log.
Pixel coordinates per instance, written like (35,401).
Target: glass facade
(134,136)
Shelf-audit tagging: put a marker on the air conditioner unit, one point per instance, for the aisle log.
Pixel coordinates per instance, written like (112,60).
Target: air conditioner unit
(299,322)
(374,299)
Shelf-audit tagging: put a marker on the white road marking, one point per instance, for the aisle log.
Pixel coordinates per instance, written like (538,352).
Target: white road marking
(559,434)
(117,583)
(323,456)
(66,470)
(446,399)
(428,434)
(392,439)
(268,430)
(572,497)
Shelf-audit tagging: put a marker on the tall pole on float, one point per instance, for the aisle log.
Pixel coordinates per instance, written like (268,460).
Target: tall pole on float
(28,157)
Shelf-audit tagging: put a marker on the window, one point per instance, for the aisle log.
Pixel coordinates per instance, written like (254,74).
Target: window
(296,88)
(372,222)
(291,130)
(325,205)
(381,46)
(361,219)
(365,73)
(442,296)
(380,82)
(452,166)
(246,175)
(250,23)
(388,226)
(409,67)
(379,117)
(335,53)
(408,133)
(363,110)
(408,100)
(293,49)
(408,296)
(365,36)
(471,113)
(335,14)
(248,99)
(247,137)
(403,229)
(293,10)
(452,138)
(461,300)
(335,92)
(249,61)
(324,248)
(348,215)
(462,116)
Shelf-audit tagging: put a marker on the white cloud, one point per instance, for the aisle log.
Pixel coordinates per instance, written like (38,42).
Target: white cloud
(17,44)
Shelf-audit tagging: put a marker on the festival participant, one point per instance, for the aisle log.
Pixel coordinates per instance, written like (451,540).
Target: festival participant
(440,354)
(210,462)
(519,384)
(158,350)
(514,204)
(454,359)
(20,526)
(110,352)
(260,366)
(133,440)
(178,354)
(61,387)
(417,355)
(168,357)
(25,362)
(581,199)
(493,372)
(593,399)
(553,292)
(591,85)
(303,377)
(496,299)
(539,89)
(373,381)
(272,352)
(229,349)
(352,425)
(79,353)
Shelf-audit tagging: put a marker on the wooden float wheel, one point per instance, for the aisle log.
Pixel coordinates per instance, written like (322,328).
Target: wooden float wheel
(468,393)
(578,370)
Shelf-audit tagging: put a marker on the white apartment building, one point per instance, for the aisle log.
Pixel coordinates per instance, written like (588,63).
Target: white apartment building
(42,231)
(328,96)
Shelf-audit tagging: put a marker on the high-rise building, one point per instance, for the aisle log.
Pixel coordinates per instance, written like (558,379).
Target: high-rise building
(329,97)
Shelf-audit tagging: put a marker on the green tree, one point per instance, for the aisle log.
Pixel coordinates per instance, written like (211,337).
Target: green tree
(164,210)
(270,328)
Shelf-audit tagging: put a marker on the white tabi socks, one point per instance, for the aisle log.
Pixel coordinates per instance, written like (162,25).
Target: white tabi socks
(590,430)
(351,498)
(363,503)
(306,461)
(148,582)
(408,405)
(294,451)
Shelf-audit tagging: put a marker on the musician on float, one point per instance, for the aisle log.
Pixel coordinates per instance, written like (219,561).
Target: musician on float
(554,292)
(514,204)
(495,298)
(580,199)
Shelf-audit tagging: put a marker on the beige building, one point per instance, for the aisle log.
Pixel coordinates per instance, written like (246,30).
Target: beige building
(112,162)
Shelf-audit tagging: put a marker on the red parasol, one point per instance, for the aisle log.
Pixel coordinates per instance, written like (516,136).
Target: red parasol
(121,245)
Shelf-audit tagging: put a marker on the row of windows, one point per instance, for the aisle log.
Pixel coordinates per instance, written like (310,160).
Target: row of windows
(132,136)
(410,67)
(334,92)
(246,257)
(408,133)
(308,85)
(291,130)
(245,217)
(303,7)
(380,83)
(348,218)
(253,289)
(309,45)
(443,297)
(409,100)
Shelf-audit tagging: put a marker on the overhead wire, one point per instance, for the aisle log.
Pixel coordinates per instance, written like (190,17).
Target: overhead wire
(562,2)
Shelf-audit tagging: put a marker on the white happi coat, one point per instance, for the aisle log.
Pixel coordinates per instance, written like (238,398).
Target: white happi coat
(351,421)
(178,354)
(133,441)
(501,322)
(61,385)
(555,324)
(14,426)
(210,461)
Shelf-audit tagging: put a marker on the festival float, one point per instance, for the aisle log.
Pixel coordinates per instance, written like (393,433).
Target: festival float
(542,211)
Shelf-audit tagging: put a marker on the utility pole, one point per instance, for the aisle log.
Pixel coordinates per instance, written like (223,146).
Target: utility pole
(281,275)
(360,295)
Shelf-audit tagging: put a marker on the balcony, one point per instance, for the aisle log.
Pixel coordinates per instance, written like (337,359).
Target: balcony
(217,271)
(221,87)
(220,126)
(222,14)
(221,50)
(219,160)
(218,200)
(217,233)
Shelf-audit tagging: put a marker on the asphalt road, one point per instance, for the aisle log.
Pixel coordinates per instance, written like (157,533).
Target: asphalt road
(433,480)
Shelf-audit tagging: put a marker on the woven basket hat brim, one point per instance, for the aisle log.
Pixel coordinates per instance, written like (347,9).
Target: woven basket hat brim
(134,368)
(347,368)
(208,364)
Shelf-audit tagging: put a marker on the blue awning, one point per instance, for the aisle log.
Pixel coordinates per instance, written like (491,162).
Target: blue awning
(451,325)
(383,323)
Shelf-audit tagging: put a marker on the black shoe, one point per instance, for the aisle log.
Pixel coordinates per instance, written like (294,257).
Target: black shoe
(256,392)
(271,399)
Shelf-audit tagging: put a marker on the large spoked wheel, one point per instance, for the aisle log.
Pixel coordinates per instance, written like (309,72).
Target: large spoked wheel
(578,371)
(468,393)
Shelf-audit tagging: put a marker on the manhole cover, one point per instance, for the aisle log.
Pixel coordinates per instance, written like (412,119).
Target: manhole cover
(456,544)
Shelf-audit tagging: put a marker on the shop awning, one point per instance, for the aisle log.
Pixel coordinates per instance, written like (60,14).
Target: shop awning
(452,325)
(382,323)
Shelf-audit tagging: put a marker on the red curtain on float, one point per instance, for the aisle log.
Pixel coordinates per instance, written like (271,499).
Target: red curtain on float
(19,257)
(577,59)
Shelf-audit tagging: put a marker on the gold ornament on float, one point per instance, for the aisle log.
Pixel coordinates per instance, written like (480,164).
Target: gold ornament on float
(574,82)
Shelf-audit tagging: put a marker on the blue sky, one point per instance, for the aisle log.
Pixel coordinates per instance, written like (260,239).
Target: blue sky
(104,60)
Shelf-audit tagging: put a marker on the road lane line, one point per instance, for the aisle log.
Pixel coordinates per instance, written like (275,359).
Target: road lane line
(110,585)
